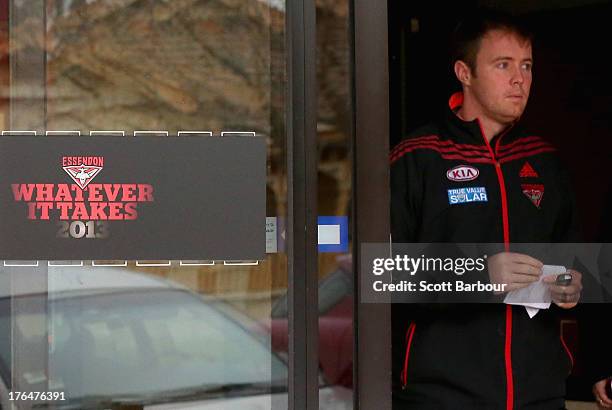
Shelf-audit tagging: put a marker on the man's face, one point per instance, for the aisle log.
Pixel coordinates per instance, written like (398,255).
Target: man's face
(502,80)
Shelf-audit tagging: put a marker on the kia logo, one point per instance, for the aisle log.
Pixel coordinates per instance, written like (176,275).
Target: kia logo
(462,173)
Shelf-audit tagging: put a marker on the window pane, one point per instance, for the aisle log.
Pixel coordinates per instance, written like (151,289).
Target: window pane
(185,65)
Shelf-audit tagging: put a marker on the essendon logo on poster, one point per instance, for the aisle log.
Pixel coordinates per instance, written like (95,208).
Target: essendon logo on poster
(83,200)
(82,169)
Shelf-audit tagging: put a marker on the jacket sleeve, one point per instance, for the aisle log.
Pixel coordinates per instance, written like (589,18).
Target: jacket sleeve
(406,199)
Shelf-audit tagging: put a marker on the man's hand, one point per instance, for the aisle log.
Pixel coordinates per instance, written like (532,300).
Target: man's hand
(514,269)
(599,391)
(565,297)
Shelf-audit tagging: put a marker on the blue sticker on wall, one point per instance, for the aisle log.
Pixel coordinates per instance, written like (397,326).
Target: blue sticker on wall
(333,233)
(466,195)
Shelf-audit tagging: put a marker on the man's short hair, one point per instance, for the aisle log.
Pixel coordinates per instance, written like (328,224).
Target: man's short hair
(468,34)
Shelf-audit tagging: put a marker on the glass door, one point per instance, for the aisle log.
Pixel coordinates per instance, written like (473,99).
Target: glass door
(104,333)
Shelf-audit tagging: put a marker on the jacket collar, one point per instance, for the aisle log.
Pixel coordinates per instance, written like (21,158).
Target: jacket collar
(470,131)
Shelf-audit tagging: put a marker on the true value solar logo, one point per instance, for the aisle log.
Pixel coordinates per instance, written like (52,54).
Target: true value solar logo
(82,208)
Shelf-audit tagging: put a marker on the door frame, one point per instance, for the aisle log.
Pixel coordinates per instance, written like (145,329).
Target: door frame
(372,360)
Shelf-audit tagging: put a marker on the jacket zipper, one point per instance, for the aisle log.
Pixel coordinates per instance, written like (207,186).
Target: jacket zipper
(409,335)
(506,227)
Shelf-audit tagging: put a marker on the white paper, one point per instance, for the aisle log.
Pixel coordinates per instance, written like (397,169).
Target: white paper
(536,291)
(329,235)
(271,234)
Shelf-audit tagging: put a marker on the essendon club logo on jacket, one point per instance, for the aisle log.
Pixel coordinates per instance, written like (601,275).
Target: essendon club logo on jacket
(462,173)
(534,192)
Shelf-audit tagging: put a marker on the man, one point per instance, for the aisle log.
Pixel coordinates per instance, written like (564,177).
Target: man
(487,356)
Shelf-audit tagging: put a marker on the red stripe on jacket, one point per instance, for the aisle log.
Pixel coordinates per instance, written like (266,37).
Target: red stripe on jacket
(446,153)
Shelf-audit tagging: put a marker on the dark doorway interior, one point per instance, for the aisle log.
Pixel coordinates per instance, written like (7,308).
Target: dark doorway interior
(570,103)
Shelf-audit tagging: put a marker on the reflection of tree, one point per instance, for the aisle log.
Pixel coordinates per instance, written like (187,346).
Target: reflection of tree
(144,64)
(178,64)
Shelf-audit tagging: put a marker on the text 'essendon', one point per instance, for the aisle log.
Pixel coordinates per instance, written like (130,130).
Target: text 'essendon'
(95,202)
(87,161)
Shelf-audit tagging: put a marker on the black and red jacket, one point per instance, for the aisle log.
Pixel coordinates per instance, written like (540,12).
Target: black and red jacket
(478,356)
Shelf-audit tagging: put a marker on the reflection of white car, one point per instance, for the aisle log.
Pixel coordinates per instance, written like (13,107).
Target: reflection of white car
(118,337)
